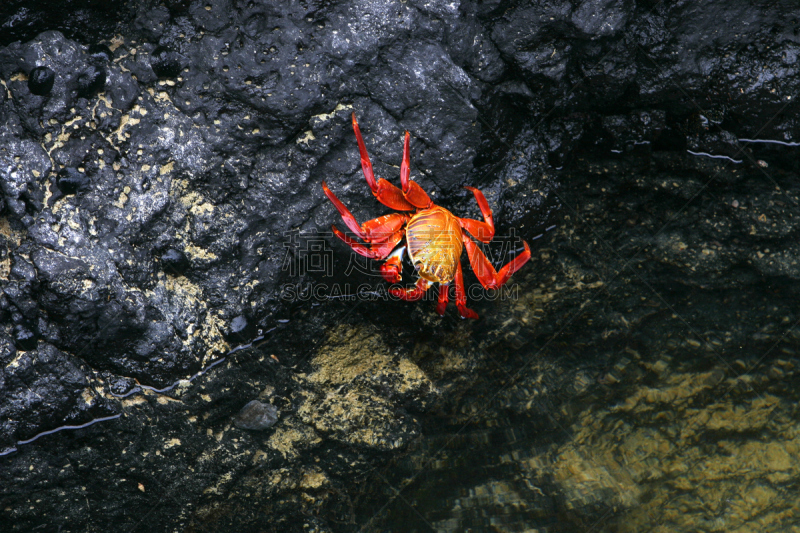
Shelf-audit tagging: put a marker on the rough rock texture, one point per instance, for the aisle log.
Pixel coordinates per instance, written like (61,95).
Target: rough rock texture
(158,203)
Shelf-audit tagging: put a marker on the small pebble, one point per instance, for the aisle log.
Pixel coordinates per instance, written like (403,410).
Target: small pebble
(256,415)
(40,81)
(174,261)
(238,324)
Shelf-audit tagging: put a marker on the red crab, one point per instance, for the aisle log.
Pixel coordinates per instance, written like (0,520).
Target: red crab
(434,236)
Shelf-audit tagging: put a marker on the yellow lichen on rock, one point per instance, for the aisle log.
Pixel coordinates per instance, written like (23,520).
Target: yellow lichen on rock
(350,353)
(357,382)
(290,438)
(666,464)
(183,294)
(355,417)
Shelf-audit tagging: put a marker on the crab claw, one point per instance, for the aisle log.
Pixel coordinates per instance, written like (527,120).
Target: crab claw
(393,267)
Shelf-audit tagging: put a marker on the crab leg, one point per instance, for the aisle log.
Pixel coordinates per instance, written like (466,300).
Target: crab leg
(378,250)
(366,164)
(347,216)
(443,297)
(413,294)
(384,227)
(485,272)
(385,192)
(412,192)
(483,231)
(461,297)
(392,197)
(405,165)
(371,230)
(384,250)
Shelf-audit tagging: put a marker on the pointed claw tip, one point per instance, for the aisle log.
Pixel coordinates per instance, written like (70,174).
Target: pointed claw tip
(467,313)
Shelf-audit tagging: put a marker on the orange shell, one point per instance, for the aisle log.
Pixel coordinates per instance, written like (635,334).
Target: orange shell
(434,243)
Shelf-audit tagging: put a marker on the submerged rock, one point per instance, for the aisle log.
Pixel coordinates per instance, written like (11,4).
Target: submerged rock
(256,416)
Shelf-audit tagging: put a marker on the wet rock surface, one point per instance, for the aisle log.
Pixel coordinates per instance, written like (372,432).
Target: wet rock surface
(160,170)
(649,385)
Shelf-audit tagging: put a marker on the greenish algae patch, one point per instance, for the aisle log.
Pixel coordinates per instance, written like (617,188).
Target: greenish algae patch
(352,353)
(687,453)
(291,439)
(355,386)
(349,407)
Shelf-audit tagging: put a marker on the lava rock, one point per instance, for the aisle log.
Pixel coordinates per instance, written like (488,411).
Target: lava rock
(70,180)
(225,165)
(174,261)
(22,269)
(40,81)
(600,18)
(28,164)
(24,338)
(121,386)
(256,416)
(99,54)
(165,63)
(91,81)
(47,384)
(84,20)
(7,349)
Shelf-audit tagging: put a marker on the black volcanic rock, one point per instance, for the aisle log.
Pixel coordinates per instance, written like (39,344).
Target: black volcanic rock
(91,81)
(40,81)
(174,261)
(162,197)
(165,63)
(24,338)
(70,180)
(82,19)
